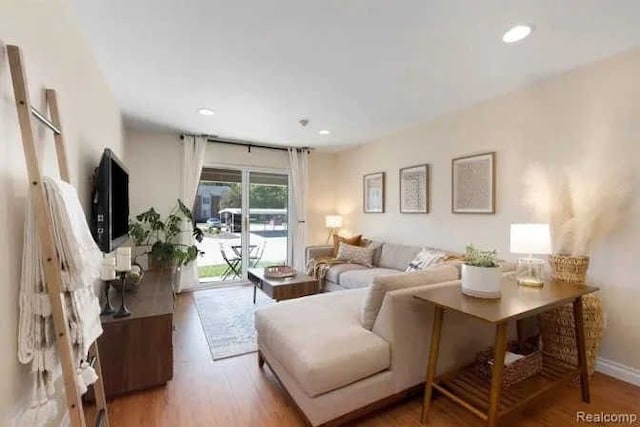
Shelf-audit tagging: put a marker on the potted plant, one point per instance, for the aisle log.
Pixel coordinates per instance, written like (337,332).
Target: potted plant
(159,238)
(583,204)
(481,273)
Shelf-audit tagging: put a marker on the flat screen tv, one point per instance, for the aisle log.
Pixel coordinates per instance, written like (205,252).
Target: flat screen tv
(110,206)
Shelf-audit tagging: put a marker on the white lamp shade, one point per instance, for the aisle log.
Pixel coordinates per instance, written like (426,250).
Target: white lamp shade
(333,221)
(530,239)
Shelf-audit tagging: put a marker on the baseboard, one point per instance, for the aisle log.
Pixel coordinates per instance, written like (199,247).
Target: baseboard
(618,370)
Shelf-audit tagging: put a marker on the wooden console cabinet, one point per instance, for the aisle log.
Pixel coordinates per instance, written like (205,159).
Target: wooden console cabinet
(136,352)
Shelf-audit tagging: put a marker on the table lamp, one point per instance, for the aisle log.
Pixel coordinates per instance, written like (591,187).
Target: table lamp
(530,239)
(333,223)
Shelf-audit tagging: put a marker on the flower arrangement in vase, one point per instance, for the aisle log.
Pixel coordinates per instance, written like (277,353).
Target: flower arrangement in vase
(582,205)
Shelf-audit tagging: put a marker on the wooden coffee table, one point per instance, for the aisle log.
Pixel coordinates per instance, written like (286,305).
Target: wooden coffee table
(486,398)
(297,286)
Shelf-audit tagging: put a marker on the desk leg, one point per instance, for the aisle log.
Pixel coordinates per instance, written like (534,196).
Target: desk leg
(496,375)
(438,315)
(580,346)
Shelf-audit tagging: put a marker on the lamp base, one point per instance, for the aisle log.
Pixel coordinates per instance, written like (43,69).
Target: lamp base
(530,282)
(530,272)
(332,232)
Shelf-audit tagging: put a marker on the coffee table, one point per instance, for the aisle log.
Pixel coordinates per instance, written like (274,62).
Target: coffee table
(486,398)
(297,286)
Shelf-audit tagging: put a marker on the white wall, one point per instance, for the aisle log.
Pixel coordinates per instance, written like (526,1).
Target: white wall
(153,159)
(322,195)
(594,109)
(56,56)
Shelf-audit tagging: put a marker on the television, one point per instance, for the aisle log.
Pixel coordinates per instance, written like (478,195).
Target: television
(110,203)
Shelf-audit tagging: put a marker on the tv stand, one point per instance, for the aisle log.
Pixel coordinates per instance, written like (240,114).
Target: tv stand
(137,351)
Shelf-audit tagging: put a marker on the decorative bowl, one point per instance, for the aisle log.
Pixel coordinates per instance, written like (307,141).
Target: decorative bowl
(279,271)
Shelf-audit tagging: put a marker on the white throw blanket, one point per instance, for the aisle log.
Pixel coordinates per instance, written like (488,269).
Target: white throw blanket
(80,259)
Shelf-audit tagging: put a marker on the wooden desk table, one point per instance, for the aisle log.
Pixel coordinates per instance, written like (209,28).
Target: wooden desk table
(476,394)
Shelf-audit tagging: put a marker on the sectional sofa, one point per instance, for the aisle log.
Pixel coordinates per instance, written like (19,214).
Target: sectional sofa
(342,354)
(389,258)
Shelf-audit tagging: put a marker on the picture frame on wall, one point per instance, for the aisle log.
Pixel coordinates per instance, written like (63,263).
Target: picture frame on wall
(473,184)
(414,189)
(373,192)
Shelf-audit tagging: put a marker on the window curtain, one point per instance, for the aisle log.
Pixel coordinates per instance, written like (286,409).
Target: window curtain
(299,163)
(193,150)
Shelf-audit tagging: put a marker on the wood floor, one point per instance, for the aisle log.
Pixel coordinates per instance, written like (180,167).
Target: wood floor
(235,392)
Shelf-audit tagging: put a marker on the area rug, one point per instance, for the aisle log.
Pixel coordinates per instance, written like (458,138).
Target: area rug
(227,317)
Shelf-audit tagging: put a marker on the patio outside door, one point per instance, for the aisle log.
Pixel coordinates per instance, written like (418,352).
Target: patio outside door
(268,231)
(244,216)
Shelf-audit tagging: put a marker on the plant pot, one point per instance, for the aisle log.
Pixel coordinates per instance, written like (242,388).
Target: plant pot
(557,327)
(142,258)
(156,265)
(481,282)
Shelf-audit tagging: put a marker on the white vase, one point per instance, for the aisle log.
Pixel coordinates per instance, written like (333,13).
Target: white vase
(481,282)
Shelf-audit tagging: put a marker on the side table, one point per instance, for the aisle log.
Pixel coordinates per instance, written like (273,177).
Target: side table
(476,394)
(137,351)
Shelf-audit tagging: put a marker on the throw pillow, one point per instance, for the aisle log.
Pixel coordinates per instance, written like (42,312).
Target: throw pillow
(426,258)
(354,240)
(355,254)
(377,246)
(377,290)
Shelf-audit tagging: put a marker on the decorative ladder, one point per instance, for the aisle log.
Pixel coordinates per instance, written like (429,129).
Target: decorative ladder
(52,269)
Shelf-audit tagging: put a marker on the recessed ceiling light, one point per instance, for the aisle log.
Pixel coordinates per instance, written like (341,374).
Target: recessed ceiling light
(206,111)
(324,132)
(517,33)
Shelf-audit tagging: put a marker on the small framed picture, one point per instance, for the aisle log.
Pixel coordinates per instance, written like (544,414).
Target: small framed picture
(373,192)
(473,184)
(414,189)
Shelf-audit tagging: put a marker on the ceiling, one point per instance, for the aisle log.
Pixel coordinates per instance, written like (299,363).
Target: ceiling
(360,68)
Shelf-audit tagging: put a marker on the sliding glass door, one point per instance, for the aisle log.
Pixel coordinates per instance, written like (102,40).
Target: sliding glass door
(218,213)
(268,219)
(244,216)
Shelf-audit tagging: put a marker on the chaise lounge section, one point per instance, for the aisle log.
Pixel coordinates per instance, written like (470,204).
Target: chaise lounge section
(341,354)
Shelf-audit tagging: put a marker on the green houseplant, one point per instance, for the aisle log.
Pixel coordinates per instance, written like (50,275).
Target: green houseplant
(480,273)
(160,237)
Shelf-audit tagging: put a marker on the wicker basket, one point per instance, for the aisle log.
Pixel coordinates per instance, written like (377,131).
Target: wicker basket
(513,373)
(557,327)
(569,268)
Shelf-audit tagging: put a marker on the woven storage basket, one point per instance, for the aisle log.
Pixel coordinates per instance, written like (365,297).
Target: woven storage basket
(513,373)
(569,268)
(558,333)
(557,327)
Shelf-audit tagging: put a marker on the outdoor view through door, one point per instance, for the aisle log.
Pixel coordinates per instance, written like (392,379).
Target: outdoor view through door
(225,197)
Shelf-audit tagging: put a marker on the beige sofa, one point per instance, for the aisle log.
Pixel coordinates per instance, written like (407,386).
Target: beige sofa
(390,258)
(339,354)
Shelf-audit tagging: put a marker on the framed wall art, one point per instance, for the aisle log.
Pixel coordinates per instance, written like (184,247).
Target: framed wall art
(414,189)
(373,192)
(473,184)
